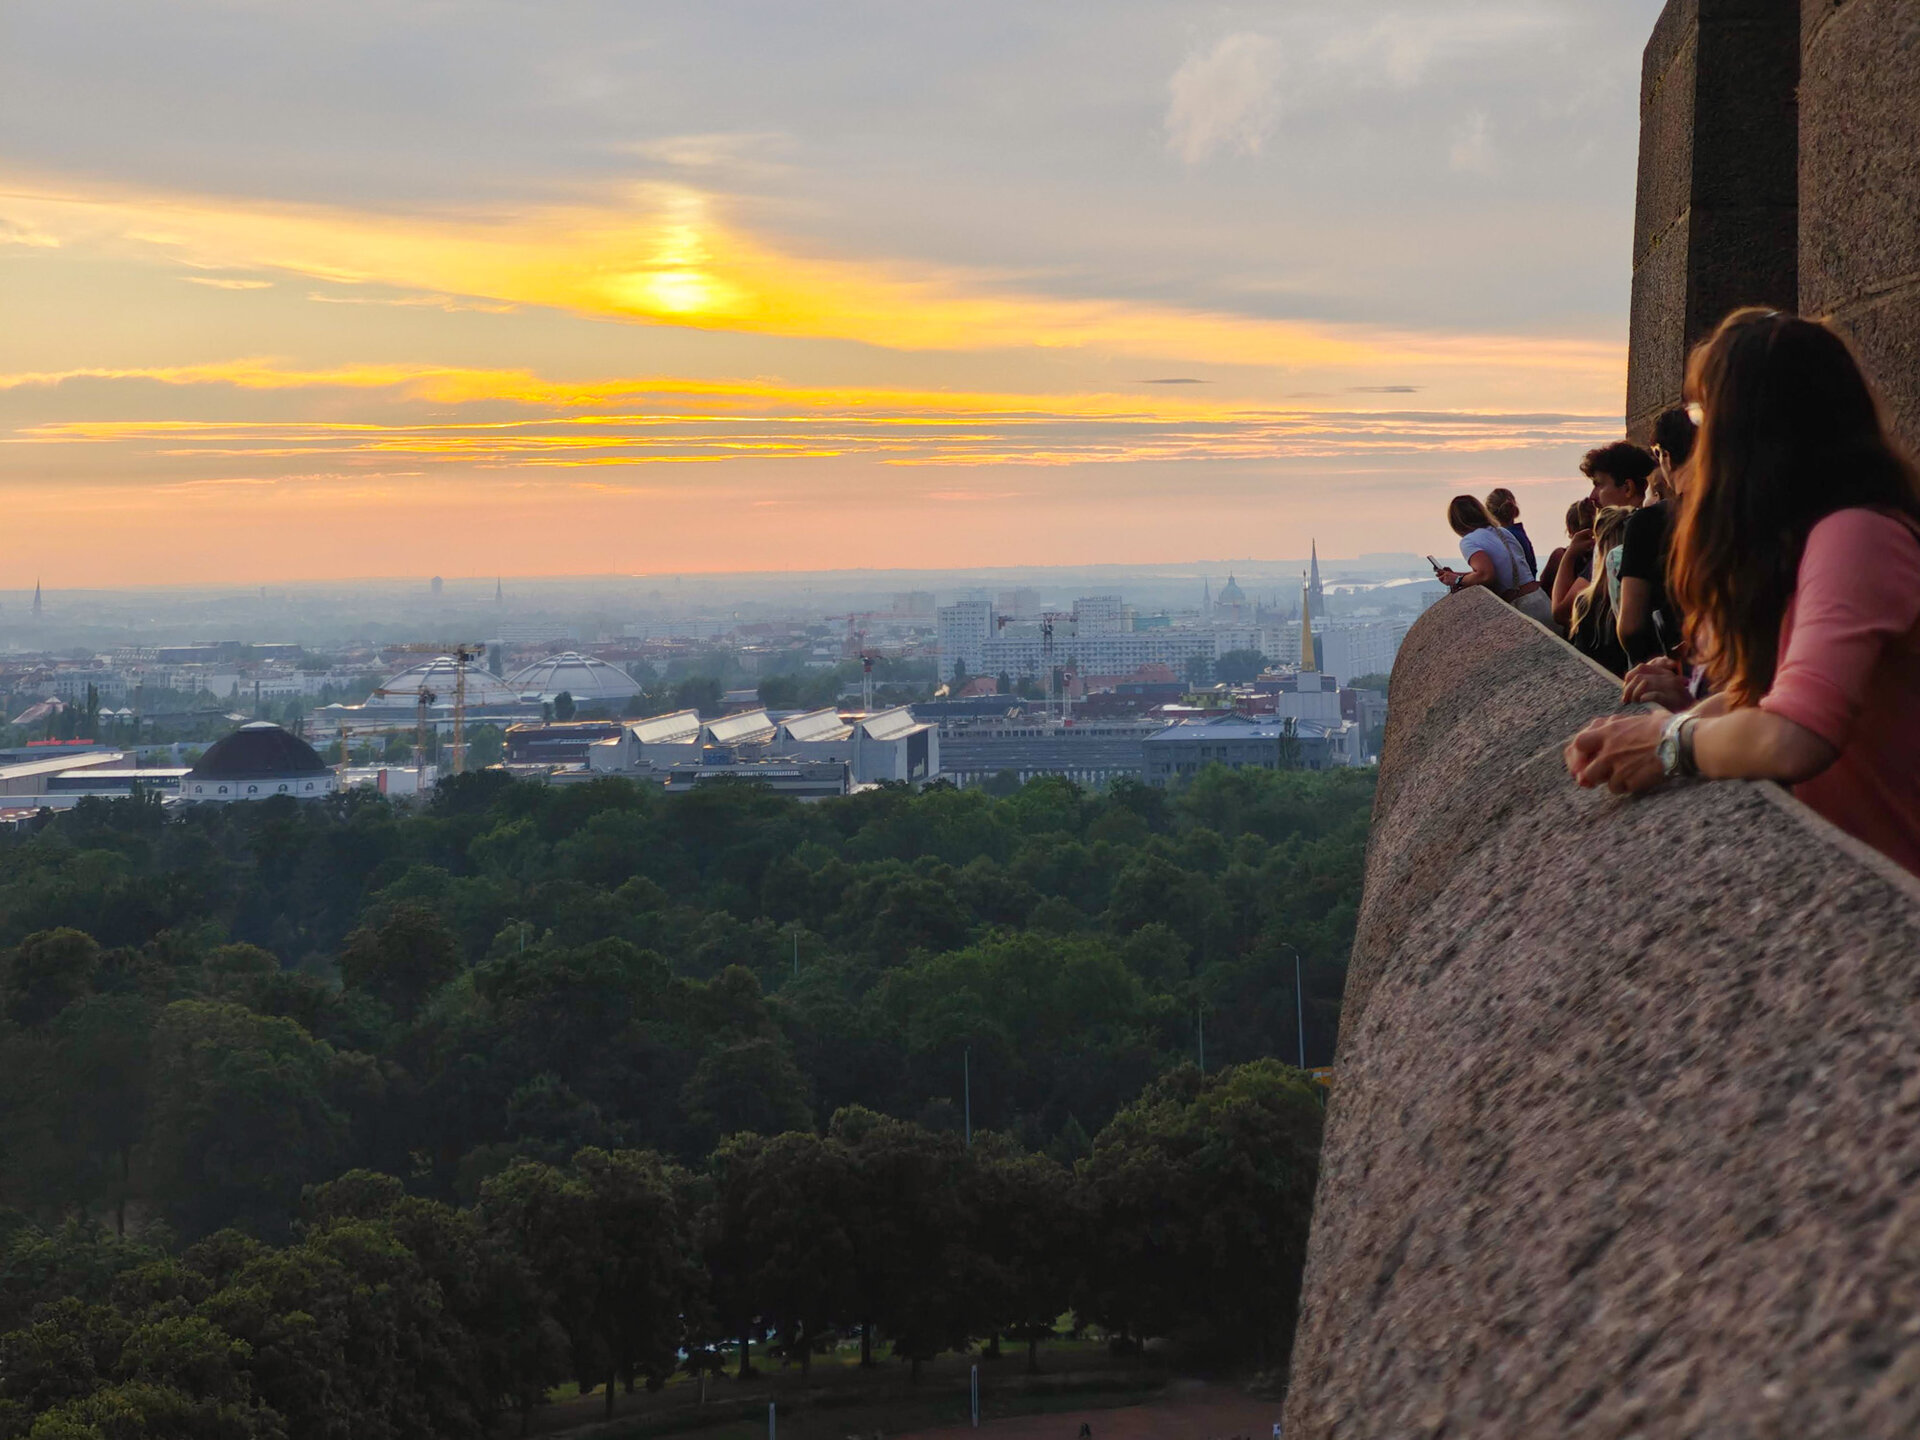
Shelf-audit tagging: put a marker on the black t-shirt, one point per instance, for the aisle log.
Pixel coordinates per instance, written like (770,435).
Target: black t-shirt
(1643,556)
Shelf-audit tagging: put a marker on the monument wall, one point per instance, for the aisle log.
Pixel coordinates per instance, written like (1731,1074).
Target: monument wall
(1625,1129)
(1715,223)
(1860,186)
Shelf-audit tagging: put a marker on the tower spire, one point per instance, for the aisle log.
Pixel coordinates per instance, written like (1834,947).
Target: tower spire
(36,597)
(1313,576)
(1308,663)
(498,594)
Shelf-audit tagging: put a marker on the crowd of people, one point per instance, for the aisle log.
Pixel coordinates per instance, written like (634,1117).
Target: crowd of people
(1753,578)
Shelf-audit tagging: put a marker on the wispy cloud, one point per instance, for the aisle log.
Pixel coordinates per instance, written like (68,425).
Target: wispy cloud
(1224,98)
(216,282)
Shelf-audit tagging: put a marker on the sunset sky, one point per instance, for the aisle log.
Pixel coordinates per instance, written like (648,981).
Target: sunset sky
(544,288)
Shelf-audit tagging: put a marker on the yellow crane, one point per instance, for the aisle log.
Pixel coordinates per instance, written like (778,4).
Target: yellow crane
(462,653)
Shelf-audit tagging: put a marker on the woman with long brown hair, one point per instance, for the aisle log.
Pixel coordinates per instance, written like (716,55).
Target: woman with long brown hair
(1796,562)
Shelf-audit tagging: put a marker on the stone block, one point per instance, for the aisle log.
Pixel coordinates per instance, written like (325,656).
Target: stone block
(1860,172)
(1886,334)
(1627,1100)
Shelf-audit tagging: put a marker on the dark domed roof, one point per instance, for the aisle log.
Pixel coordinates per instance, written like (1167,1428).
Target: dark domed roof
(258,751)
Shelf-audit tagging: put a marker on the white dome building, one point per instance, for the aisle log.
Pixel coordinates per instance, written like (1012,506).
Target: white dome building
(586,679)
(440,676)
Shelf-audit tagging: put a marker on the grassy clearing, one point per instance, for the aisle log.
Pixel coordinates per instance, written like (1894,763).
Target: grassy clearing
(840,1400)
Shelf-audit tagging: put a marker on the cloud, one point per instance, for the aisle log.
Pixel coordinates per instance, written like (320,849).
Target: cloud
(1383,389)
(14,233)
(1472,151)
(1225,98)
(1177,380)
(223,283)
(669,255)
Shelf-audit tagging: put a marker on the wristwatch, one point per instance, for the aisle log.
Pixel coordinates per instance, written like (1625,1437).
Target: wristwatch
(1676,747)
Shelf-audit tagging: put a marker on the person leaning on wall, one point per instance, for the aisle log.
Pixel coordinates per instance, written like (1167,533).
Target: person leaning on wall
(1494,559)
(1506,513)
(1648,622)
(1796,561)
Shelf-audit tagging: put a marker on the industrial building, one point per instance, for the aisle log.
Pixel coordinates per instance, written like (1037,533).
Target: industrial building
(1092,754)
(1240,742)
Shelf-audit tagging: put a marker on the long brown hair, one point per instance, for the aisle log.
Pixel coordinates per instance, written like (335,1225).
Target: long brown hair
(1609,529)
(1792,432)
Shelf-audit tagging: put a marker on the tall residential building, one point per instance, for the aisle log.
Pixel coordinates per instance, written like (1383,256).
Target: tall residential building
(1101,615)
(964,628)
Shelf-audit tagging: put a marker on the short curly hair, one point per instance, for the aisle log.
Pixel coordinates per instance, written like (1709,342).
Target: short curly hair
(1622,461)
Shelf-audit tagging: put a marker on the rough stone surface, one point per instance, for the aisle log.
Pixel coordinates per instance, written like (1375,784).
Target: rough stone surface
(1860,179)
(1626,1122)
(1715,223)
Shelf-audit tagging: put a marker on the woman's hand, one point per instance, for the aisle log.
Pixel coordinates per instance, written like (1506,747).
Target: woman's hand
(1660,681)
(1448,577)
(1579,543)
(1620,752)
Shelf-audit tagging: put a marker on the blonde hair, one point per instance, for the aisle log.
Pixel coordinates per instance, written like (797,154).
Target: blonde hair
(1502,506)
(1609,529)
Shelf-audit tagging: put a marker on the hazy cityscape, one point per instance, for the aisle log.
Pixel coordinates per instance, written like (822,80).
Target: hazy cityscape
(1015,674)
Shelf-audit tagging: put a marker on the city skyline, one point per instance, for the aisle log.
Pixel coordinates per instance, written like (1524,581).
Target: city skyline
(585,292)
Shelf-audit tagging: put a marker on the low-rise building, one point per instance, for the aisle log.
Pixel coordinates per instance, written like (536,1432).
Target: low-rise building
(1238,742)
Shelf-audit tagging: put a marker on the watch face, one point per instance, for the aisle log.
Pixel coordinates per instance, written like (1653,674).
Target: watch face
(1669,753)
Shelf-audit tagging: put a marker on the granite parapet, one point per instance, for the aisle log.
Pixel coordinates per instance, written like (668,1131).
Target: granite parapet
(1626,1109)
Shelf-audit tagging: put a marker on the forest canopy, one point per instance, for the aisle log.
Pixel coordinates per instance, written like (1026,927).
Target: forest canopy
(245,1049)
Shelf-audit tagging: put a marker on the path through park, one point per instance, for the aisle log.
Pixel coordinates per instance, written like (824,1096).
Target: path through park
(1189,1410)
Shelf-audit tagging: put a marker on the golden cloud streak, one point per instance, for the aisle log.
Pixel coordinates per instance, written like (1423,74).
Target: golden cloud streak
(667,255)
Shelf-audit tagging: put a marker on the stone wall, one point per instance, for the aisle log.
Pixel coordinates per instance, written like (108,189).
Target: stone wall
(1625,1130)
(1715,224)
(1860,186)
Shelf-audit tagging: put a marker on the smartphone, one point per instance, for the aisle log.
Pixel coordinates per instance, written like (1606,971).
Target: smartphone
(1660,634)
(1434,563)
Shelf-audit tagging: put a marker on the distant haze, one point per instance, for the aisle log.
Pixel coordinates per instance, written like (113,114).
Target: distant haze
(297,293)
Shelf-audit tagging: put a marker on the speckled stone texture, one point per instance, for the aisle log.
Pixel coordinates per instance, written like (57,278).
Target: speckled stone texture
(1715,225)
(1860,176)
(1625,1130)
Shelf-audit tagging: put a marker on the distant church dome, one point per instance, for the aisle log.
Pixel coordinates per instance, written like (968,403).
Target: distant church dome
(256,761)
(580,676)
(1232,594)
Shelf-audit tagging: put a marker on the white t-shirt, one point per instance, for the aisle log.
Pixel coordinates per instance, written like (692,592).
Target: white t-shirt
(1498,544)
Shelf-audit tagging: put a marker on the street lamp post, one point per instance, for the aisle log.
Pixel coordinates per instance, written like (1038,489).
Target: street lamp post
(1299,1010)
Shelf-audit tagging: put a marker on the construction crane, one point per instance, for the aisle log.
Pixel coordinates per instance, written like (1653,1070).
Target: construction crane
(462,653)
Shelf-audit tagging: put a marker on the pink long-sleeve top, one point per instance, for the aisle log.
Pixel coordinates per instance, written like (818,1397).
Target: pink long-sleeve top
(1850,672)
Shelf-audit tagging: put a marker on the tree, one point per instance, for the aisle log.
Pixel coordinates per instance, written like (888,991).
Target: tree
(47,972)
(778,1244)
(1239,667)
(563,706)
(912,1275)
(486,745)
(1378,680)
(750,1085)
(1199,670)
(244,1110)
(1028,1235)
(699,692)
(1201,1193)
(402,958)
(609,1239)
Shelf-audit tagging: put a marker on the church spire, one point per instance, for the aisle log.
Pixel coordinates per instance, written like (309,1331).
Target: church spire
(1313,578)
(36,597)
(1309,664)
(498,593)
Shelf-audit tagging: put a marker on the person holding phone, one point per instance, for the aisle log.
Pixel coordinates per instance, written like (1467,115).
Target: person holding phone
(1494,560)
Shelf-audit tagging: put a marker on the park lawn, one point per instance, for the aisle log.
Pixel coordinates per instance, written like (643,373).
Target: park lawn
(839,1399)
